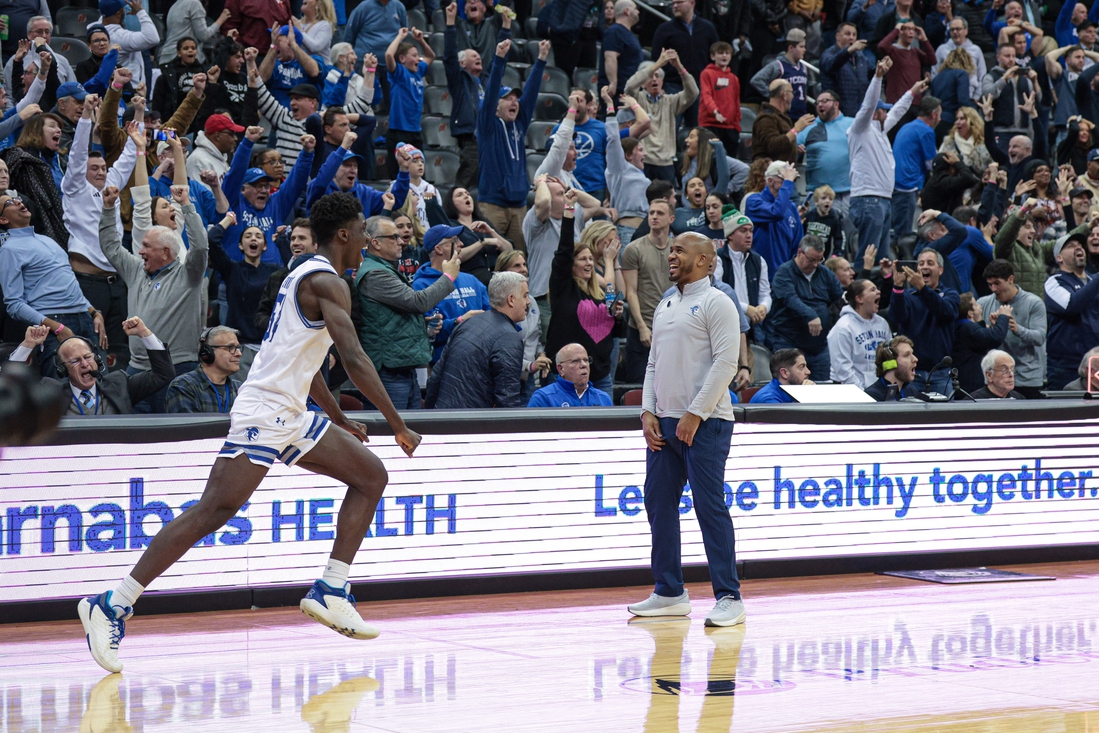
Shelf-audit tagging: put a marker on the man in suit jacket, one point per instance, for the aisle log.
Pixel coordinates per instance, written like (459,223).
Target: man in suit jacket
(92,391)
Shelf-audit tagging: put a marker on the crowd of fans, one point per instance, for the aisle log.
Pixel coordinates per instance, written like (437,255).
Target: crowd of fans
(886,182)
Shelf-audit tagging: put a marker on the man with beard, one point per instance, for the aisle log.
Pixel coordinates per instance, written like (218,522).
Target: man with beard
(687,418)
(895,365)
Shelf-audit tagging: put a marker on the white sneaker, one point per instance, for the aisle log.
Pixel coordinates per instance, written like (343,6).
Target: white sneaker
(335,608)
(728,612)
(104,626)
(656,605)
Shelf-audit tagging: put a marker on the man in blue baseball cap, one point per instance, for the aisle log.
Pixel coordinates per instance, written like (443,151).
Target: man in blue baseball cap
(249,193)
(340,174)
(469,296)
(131,43)
(70,105)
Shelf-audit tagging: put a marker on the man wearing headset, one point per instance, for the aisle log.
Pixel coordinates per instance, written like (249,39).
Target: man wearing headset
(80,368)
(209,388)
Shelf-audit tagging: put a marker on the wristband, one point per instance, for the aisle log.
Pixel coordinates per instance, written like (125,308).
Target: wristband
(449,276)
(635,105)
(898,291)
(116,86)
(610,109)
(59,329)
(572,110)
(141,152)
(370,69)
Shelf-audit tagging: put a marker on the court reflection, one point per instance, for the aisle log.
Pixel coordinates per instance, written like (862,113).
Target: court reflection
(331,711)
(106,713)
(669,679)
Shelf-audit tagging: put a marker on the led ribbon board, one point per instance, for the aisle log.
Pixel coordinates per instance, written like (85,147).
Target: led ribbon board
(495,504)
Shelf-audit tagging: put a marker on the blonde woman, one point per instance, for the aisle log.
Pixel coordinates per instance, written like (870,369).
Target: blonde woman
(951,86)
(967,140)
(318,20)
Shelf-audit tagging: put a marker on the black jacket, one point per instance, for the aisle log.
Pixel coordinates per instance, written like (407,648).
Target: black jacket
(479,367)
(692,45)
(971,342)
(946,184)
(121,391)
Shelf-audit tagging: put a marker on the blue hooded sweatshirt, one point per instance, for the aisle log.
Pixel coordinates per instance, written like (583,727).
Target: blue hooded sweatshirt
(278,208)
(372,200)
(501,146)
(468,295)
(777,226)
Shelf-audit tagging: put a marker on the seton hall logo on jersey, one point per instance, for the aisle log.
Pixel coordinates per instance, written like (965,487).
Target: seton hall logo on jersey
(695,309)
(252,434)
(584,145)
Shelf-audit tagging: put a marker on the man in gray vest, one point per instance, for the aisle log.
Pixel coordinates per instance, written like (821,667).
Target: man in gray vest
(393,331)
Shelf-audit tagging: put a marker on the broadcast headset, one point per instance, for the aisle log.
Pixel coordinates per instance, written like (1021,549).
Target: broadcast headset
(205,351)
(62,369)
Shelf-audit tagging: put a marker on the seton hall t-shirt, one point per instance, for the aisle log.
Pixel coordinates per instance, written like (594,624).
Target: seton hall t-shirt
(406,98)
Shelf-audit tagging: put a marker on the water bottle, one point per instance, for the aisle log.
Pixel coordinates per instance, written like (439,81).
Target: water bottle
(610,298)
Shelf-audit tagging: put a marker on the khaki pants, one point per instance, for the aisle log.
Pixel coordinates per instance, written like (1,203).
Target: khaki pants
(508,222)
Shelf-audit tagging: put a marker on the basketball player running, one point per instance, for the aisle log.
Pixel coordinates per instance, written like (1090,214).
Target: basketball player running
(270,420)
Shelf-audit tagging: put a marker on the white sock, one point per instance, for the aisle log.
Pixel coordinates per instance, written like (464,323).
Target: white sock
(335,573)
(127,593)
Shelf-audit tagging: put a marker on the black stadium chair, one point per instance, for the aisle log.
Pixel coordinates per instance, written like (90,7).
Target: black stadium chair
(382,127)
(555,81)
(532,52)
(417,19)
(436,74)
(533,161)
(586,79)
(511,77)
(538,133)
(74,50)
(438,21)
(73,21)
(440,166)
(436,132)
(437,101)
(379,158)
(531,27)
(551,107)
(437,40)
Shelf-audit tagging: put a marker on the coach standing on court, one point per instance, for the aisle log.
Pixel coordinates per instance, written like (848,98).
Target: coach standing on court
(688,420)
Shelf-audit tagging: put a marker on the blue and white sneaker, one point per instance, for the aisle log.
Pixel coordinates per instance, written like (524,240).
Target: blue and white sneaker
(335,608)
(104,626)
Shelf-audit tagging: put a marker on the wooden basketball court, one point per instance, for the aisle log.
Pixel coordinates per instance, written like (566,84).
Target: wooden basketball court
(838,653)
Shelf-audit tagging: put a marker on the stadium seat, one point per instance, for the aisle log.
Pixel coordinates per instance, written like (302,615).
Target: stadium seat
(437,101)
(73,49)
(522,67)
(551,107)
(73,21)
(533,161)
(349,403)
(158,22)
(633,398)
(379,159)
(436,74)
(511,77)
(532,52)
(437,40)
(555,81)
(762,370)
(417,19)
(745,394)
(531,27)
(586,79)
(436,131)
(382,127)
(440,166)
(438,21)
(538,133)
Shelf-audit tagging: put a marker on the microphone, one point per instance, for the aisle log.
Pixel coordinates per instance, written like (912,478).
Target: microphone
(946,362)
(97,374)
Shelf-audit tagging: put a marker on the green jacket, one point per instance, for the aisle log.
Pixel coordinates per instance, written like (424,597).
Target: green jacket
(392,338)
(1029,262)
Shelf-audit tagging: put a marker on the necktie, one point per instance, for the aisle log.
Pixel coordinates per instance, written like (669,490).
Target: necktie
(85,398)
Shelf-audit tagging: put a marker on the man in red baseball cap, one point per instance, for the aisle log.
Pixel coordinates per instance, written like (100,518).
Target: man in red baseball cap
(214,146)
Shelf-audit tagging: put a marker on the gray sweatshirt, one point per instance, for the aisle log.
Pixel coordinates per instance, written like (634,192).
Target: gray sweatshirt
(169,301)
(626,183)
(1028,347)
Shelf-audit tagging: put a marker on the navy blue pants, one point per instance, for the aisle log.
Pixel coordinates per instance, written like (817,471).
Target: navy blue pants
(667,471)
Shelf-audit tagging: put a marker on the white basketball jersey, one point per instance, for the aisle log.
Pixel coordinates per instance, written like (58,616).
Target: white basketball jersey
(293,349)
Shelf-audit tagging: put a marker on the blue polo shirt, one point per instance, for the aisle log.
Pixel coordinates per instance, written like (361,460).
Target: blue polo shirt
(772,393)
(562,393)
